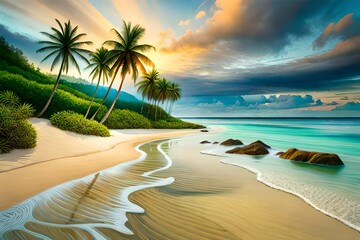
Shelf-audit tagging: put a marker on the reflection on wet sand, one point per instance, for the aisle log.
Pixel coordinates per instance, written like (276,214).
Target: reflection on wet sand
(87,208)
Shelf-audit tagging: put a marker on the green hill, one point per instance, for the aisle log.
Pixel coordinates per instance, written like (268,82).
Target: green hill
(34,87)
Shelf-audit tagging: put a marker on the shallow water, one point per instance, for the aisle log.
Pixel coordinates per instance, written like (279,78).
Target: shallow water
(334,190)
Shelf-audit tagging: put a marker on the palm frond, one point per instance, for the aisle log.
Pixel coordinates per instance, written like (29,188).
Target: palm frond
(56,60)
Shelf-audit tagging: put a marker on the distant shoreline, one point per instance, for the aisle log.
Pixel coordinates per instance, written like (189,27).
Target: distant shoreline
(302,118)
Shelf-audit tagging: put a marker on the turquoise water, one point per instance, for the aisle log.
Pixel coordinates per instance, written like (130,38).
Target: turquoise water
(332,190)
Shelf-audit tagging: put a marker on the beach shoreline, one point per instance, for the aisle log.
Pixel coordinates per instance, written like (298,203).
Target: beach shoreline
(61,156)
(194,203)
(221,201)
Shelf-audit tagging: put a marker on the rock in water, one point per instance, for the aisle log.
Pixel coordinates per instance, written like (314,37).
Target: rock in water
(255,148)
(312,157)
(204,142)
(232,142)
(204,130)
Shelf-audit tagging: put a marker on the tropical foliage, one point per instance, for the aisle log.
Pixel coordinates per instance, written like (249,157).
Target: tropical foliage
(15,129)
(147,86)
(36,94)
(128,57)
(71,121)
(100,64)
(35,87)
(64,45)
(174,123)
(125,119)
(158,91)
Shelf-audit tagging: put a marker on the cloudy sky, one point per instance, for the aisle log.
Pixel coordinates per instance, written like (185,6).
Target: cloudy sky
(231,57)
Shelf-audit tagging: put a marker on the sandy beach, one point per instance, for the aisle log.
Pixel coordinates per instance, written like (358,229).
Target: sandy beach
(207,200)
(61,156)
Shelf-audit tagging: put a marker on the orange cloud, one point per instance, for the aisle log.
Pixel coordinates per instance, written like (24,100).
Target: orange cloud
(200,14)
(334,30)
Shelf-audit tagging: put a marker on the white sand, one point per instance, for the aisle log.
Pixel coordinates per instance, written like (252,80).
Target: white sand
(61,156)
(53,143)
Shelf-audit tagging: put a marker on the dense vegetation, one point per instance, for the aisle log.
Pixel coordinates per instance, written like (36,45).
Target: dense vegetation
(34,87)
(122,119)
(15,129)
(174,123)
(71,121)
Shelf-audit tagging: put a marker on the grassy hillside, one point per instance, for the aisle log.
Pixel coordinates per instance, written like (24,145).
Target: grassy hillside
(34,87)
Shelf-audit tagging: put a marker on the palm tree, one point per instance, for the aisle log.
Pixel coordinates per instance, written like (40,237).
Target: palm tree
(64,45)
(100,62)
(147,86)
(162,92)
(175,95)
(127,56)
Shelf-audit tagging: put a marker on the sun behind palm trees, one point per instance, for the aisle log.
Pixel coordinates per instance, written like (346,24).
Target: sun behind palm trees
(64,45)
(127,56)
(100,62)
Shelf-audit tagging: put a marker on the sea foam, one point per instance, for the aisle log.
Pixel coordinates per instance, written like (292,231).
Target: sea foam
(328,202)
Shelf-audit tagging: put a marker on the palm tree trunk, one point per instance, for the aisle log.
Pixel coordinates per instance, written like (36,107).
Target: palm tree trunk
(161,111)
(53,91)
(149,107)
(142,105)
(171,106)
(167,103)
(107,94)
(156,107)
(93,97)
(113,104)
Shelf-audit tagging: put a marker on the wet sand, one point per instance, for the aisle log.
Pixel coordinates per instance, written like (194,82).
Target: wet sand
(211,200)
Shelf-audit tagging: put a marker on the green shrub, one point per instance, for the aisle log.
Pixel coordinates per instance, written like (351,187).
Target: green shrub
(71,121)
(174,123)
(123,119)
(24,135)
(15,130)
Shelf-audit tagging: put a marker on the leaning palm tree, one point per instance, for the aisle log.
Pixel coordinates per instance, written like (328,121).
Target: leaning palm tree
(126,54)
(147,86)
(162,92)
(100,63)
(64,44)
(175,95)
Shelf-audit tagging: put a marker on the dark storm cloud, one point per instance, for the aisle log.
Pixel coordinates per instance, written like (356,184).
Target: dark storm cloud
(333,70)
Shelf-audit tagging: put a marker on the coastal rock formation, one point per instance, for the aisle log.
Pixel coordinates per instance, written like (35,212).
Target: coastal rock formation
(312,157)
(255,148)
(215,142)
(278,153)
(204,142)
(204,130)
(232,142)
